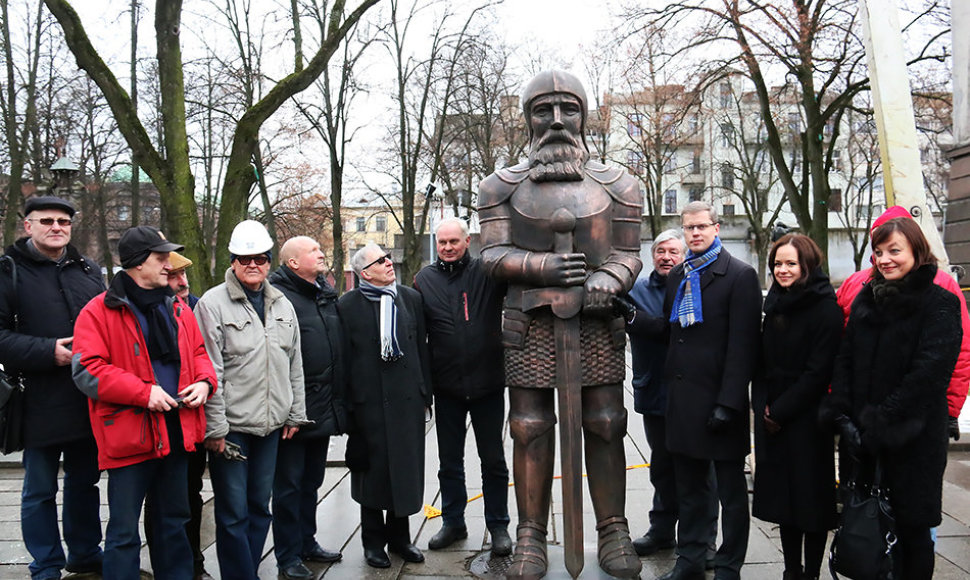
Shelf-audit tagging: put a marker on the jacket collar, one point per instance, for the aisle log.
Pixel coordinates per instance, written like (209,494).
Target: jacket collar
(21,248)
(456,266)
(284,275)
(116,297)
(236,292)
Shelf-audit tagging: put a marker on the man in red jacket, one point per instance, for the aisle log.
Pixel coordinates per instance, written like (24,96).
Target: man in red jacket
(141,360)
(956,393)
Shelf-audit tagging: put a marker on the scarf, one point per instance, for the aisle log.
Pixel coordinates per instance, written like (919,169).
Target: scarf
(160,334)
(390,350)
(687,303)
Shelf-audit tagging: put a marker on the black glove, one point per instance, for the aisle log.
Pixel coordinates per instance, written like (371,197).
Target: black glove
(850,437)
(720,417)
(954,427)
(623,307)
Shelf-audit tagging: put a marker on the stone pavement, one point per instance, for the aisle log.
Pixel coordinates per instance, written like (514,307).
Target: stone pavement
(338,522)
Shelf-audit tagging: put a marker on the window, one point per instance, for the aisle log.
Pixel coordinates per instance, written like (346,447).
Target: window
(694,123)
(695,193)
(835,199)
(794,123)
(837,160)
(727,210)
(727,134)
(634,162)
(634,124)
(380,223)
(865,212)
(695,162)
(361,224)
(670,201)
(670,164)
(727,177)
(668,126)
(725,95)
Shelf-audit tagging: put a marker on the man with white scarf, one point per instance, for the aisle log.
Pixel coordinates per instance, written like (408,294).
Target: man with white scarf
(388,395)
(713,304)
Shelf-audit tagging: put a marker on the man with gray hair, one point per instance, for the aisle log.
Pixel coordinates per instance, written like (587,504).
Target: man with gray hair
(388,394)
(713,304)
(463,313)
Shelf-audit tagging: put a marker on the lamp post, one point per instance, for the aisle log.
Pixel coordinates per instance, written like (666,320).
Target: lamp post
(429,193)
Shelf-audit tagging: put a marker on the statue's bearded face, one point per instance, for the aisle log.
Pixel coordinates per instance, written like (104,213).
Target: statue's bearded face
(557,152)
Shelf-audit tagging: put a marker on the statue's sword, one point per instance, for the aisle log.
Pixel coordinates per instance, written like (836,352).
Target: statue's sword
(566,304)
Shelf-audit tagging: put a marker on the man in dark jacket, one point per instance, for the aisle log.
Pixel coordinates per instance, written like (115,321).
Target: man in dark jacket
(54,282)
(301,462)
(463,313)
(713,303)
(389,394)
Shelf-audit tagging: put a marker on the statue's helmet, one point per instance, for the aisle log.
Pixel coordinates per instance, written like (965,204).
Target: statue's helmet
(550,82)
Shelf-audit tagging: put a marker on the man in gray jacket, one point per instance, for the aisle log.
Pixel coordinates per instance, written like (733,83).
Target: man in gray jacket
(253,339)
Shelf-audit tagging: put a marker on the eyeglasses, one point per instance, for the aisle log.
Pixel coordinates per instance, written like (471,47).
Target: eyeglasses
(698,228)
(247,260)
(380,260)
(49,221)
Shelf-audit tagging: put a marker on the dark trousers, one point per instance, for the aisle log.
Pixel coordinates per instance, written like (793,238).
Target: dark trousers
(913,557)
(80,511)
(196,468)
(488,417)
(300,467)
(377,532)
(694,492)
(164,480)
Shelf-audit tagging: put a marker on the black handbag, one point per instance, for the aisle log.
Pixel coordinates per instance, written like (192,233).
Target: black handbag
(862,548)
(11,390)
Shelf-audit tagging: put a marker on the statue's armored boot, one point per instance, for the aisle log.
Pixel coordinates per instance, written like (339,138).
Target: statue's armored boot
(616,554)
(604,426)
(529,561)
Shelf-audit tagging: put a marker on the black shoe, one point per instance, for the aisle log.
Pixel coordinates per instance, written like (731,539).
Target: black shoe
(377,558)
(501,542)
(318,554)
(679,573)
(296,571)
(447,536)
(649,544)
(93,567)
(408,552)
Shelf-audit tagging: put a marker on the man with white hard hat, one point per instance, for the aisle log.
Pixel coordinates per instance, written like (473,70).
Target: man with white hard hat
(252,336)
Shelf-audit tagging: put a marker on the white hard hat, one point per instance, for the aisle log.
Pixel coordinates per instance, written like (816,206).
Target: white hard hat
(249,238)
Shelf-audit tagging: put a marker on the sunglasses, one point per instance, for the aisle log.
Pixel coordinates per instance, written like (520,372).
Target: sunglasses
(49,221)
(380,260)
(247,260)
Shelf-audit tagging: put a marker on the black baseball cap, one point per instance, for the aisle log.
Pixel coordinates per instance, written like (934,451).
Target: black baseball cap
(138,242)
(48,202)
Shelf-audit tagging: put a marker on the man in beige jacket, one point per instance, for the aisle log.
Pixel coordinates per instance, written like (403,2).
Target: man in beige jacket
(253,339)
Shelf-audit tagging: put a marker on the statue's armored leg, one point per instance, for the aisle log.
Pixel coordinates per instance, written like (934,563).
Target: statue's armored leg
(531,421)
(604,427)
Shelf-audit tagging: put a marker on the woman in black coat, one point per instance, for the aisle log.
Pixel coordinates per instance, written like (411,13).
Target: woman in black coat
(794,483)
(889,388)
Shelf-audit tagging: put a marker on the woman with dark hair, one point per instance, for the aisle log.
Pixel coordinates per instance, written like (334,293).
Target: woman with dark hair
(794,483)
(888,396)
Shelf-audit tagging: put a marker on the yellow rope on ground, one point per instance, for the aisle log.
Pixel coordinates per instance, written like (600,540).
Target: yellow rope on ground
(432,512)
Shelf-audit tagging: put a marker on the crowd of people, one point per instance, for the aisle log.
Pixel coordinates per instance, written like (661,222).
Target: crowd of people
(150,383)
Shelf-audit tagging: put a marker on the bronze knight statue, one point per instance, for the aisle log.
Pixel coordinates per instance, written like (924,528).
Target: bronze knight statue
(564,232)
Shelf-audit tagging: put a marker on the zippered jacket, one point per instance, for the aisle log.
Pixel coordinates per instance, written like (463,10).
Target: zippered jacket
(259,366)
(111,366)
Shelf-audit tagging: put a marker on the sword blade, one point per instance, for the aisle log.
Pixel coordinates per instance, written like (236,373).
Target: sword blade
(569,377)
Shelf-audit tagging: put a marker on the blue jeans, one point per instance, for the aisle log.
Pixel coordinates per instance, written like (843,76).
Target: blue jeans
(81,510)
(163,481)
(300,467)
(488,416)
(242,490)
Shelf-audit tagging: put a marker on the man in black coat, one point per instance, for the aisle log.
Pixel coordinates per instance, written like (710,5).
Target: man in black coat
(463,313)
(301,462)
(54,282)
(388,395)
(713,303)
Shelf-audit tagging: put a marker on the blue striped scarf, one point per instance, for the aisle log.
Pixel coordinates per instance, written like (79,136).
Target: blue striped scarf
(390,349)
(687,309)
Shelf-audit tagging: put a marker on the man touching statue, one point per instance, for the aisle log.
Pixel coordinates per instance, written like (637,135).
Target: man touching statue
(564,233)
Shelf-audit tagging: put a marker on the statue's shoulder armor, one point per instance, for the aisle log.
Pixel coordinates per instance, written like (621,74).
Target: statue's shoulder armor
(621,186)
(499,186)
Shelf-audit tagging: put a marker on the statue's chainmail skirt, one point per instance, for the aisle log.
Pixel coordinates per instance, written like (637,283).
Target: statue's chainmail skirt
(534,365)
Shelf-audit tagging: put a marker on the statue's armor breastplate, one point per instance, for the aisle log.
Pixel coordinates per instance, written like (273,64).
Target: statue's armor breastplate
(533,205)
